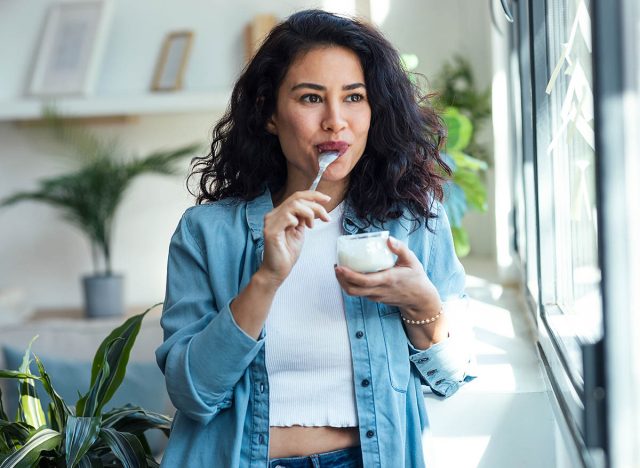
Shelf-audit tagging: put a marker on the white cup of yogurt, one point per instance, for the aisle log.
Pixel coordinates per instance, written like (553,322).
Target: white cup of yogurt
(366,253)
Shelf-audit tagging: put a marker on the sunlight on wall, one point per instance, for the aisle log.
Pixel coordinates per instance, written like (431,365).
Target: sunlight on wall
(379,10)
(503,202)
(343,7)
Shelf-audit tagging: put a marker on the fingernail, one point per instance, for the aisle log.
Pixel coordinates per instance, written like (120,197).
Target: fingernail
(394,241)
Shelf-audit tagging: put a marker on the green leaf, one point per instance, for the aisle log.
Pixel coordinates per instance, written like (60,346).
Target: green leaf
(14,433)
(89,405)
(80,434)
(42,440)
(9,374)
(114,350)
(136,420)
(30,406)
(473,187)
(3,415)
(126,447)
(90,462)
(461,241)
(459,129)
(464,161)
(60,409)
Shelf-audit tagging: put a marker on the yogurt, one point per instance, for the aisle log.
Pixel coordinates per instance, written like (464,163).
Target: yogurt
(365,253)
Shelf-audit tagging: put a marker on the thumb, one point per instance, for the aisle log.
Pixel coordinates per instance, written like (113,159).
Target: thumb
(401,250)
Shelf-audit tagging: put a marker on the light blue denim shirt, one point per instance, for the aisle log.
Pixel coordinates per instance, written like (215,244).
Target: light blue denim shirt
(215,372)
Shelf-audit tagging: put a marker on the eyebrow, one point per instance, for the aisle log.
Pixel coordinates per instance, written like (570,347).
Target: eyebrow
(318,87)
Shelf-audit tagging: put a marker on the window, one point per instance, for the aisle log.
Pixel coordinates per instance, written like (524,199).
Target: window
(574,194)
(576,212)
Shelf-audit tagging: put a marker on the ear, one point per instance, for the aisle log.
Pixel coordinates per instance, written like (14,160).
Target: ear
(271,126)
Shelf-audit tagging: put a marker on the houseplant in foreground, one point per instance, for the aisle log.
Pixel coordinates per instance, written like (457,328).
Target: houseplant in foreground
(83,435)
(89,196)
(463,109)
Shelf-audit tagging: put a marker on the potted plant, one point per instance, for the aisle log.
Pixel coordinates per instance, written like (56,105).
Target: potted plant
(81,435)
(89,197)
(464,110)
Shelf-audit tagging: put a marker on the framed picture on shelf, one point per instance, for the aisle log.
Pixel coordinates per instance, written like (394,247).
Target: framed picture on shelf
(172,61)
(70,48)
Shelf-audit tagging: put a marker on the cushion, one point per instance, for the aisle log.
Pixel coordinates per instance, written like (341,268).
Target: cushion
(143,385)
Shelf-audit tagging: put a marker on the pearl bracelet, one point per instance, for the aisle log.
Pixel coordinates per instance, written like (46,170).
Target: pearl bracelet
(421,322)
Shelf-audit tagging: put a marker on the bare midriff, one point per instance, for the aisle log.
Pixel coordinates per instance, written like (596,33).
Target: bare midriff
(298,441)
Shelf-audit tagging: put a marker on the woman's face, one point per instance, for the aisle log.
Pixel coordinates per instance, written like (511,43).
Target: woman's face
(322,105)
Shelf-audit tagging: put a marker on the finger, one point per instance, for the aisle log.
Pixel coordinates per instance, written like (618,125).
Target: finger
(311,195)
(303,212)
(364,280)
(319,211)
(352,290)
(405,255)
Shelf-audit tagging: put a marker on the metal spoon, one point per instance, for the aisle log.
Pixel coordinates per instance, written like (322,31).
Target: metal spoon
(324,160)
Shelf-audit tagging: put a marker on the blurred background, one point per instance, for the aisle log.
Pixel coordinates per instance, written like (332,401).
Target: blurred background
(541,99)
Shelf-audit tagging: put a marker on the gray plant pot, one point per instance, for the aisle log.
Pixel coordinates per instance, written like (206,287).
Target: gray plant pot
(103,295)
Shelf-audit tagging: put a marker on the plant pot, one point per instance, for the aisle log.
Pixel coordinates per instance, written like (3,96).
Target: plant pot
(103,295)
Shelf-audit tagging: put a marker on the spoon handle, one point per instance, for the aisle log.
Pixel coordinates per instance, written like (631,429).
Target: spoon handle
(317,179)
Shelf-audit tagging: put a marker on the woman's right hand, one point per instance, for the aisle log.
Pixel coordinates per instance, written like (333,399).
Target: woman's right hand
(284,232)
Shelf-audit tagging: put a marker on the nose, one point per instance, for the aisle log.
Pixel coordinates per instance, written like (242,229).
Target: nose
(333,119)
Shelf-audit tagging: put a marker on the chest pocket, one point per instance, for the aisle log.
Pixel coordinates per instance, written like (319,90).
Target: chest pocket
(395,341)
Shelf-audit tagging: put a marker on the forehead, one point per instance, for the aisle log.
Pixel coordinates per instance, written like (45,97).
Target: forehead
(326,64)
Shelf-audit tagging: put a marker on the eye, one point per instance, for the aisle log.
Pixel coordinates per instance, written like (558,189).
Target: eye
(311,98)
(355,97)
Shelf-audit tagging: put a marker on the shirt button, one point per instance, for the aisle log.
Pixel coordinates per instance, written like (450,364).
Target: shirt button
(365,383)
(359,334)
(261,439)
(432,371)
(424,359)
(370,434)
(439,381)
(261,388)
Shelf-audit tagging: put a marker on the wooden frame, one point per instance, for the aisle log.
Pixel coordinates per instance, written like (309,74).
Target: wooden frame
(70,48)
(172,61)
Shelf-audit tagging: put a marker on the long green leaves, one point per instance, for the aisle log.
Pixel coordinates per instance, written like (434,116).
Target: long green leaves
(28,454)
(90,195)
(136,420)
(30,407)
(110,365)
(60,409)
(126,447)
(466,190)
(86,439)
(79,436)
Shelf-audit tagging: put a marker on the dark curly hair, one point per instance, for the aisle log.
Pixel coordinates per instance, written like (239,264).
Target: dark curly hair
(401,164)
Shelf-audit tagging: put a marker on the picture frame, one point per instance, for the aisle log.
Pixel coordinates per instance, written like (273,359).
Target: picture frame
(172,61)
(70,48)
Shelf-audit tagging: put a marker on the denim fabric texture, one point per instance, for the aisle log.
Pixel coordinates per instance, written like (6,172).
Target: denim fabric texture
(215,372)
(345,458)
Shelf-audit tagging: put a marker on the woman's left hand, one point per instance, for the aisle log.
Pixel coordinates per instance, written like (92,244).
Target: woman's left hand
(405,285)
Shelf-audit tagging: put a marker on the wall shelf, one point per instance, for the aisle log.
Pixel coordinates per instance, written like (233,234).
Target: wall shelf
(91,107)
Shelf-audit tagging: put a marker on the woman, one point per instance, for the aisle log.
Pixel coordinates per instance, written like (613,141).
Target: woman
(273,355)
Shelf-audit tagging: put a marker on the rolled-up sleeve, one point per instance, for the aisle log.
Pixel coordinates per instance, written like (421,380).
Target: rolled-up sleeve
(448,364)
(205,353)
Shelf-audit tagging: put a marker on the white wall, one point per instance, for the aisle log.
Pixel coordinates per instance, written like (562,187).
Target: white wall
(44,256)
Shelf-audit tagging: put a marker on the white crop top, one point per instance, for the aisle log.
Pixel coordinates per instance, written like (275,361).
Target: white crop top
(308,357)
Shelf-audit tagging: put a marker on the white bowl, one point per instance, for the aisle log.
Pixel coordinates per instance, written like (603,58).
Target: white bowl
(366,253)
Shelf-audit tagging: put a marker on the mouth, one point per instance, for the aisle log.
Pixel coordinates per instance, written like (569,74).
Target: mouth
(340,146)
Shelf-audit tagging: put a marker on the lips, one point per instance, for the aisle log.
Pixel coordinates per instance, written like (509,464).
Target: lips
(339,146)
